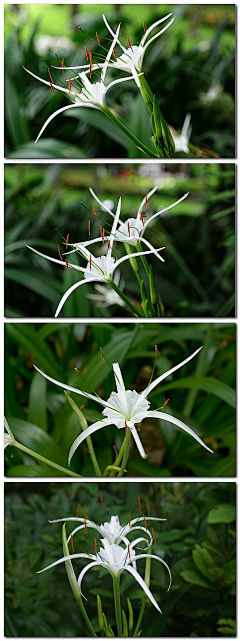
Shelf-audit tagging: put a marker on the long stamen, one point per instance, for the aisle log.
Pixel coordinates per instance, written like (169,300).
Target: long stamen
(145,523)
(67,264)
(144,26)
(72,543)
(101,501)
(98,39)
(129,43)
(59,253)
(50,75)
(69,84)
(86,51)
(67,241)
(141,218)
(139,505)
(78,506)
(154,537)
(156,351)
(103,235)
(94,212)
(129,520)
(89,227)
(51,87)
(63,65)
(95,546)
(148,510)
(164,404)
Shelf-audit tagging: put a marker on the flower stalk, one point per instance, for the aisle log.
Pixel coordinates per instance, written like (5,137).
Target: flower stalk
(117,604)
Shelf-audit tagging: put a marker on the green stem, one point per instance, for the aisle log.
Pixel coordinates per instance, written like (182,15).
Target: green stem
(140,145)
(144,597)
(146,267)
(45,460)
(136,312)
(120,455)
(84,425)
(133,264)
(126,453)
(117,603)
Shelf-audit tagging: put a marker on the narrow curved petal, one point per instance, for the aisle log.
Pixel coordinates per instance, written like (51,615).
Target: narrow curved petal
(143,240)
(166,374)
(90,430)
(101,203)
(133,255)
(85,243)
(59,111)
(55,260)
(133,77)
(153,556)
(155,24)
(171,419)
(143,585)
(105,64)
(114,227)
(113,34)
(81,575)
(147,518)
(72,389)
(71,290)
(118,378)
(137,440)
(149,220)
(50,84)
(158,34)
(150,193)
(69,557)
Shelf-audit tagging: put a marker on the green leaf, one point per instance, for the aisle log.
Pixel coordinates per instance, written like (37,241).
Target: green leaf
(223,513)
(207,384)
(37,401)
(190,576)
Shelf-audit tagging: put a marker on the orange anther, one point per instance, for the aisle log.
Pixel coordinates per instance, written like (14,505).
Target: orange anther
(145,522)
(164,404)
(101,501)
(103,235)
(67,241)
(128,226)
(95,546)
(86,50)
(82,407)
(72,543)
(108,245)
(141,218)
(139,505)
(50,75)
(59,252)
(90,70)
(98,39)
(95,213)
(148,510)
(129,520)
(69,84)
(85,511)
(126,428)
(129,552)
(63,65)
(114,53)
(51,87)
(77,513)
(76,369)
(145,204)
(154,537)
(90,56)
(85,526)
(90,262)
(89,227)
(67,264)
(102,354)
(156,351)
(144,26)
(129,43)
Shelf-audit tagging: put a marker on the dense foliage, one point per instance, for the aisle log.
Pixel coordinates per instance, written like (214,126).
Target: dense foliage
(44,204)
(197,541)
(190,68)
(202,394)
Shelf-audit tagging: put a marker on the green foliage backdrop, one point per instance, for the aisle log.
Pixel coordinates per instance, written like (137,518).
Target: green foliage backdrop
(190,68)
(202,394)
(45,203)
(197,541)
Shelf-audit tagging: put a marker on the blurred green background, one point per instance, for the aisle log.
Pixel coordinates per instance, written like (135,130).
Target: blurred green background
(197,541)
(190,68)
(202,394)
(44,203)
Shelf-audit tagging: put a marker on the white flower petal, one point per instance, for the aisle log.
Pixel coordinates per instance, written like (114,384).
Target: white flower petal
(90,430)
(69,557)
(118,378)
(150,193)
(143,585)
(158,34)
(149,220)
(81,575)
(158,380)
(59,111)
(171,419)
(72,389)
(157,558)
(155,24)
(69,292)
(56,260)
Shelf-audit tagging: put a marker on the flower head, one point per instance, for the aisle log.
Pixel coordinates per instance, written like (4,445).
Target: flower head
(127,408)
(8,437)
(181,140)
(85,93)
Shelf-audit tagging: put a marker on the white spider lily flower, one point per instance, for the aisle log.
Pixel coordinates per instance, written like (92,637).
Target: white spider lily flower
(127,408)
(112,530)
(90,94)
(115,559)
(8,437)
(181,140)
(131,60)
(106,296)
(97,269)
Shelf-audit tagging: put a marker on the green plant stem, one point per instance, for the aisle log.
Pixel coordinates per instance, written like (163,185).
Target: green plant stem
(140,145)
(126,453)
(144,597)
(45,460)
(133,265)
(136,312)
(73,583)
(146,267)
(84,425)
(119,456)
(117,604)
